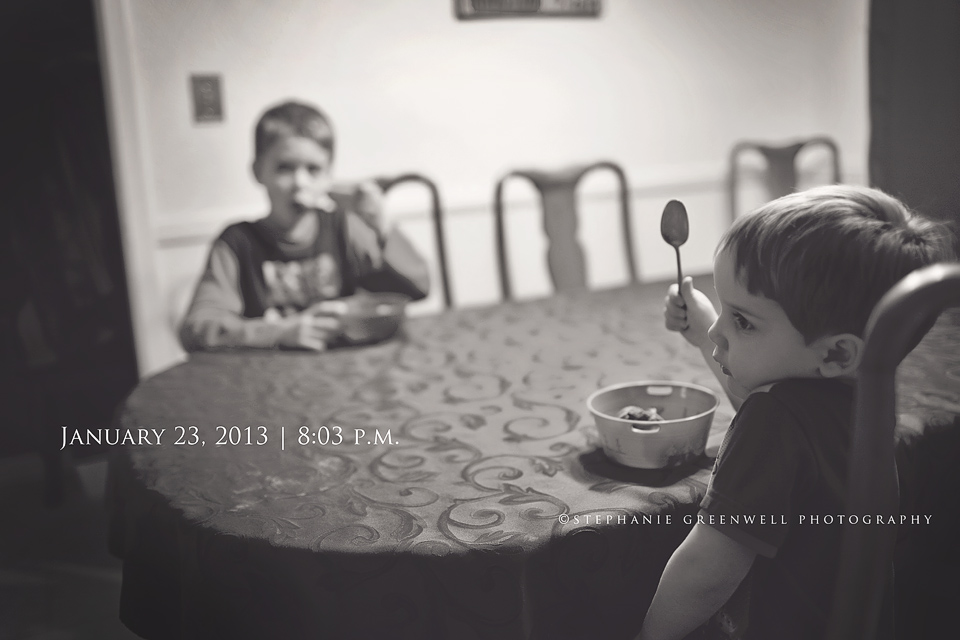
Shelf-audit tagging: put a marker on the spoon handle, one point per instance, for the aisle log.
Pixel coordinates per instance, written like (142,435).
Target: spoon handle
(679,270)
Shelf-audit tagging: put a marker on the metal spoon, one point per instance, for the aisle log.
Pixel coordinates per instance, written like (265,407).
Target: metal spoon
(675,229)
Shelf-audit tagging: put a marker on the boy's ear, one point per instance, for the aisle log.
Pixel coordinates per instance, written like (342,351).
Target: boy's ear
(840,354)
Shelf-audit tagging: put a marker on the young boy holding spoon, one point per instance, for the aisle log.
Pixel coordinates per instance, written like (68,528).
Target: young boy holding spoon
(797,280)
(272,282)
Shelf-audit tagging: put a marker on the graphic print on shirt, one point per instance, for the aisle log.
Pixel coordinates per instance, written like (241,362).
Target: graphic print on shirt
(299,283)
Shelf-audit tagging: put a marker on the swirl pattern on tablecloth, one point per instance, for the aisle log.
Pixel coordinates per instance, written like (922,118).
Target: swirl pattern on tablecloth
(467,520)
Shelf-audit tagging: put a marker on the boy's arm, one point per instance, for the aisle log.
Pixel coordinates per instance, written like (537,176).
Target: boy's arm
(700,577)
(386,259)
(214,319)
(691,315)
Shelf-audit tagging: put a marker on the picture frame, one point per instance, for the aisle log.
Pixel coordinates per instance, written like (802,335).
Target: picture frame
(485,9)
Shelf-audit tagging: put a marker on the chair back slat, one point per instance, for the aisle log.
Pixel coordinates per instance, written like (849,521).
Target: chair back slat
(566,261)
(436,211)
(780,175)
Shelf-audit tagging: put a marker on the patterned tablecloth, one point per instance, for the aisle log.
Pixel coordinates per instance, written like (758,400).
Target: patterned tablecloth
(491,512)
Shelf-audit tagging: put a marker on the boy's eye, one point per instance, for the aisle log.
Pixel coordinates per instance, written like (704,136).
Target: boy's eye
(285,167)
(742,323)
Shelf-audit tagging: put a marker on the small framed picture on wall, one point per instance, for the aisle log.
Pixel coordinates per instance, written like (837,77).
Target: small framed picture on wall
(479,9)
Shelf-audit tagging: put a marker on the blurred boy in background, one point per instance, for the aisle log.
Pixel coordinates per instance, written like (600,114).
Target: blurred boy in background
(268,283)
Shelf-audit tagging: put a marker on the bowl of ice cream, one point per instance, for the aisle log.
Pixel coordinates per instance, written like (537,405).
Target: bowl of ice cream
(368,317)
(652,424)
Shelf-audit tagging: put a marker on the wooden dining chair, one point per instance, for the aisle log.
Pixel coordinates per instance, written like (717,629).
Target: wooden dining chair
(867,551)
(780,175)
(436,209)
(558,197)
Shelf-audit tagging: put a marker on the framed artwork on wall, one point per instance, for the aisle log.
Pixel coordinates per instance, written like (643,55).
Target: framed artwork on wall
(480,9)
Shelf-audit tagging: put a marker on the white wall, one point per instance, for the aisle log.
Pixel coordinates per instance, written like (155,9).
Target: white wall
(665,88)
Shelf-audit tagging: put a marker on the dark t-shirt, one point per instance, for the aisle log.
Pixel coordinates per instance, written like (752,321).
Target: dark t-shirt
(251,270)
(779,483)
(273,274)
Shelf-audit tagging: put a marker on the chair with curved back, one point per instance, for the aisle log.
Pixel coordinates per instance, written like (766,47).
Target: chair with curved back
(565,257)
(868,551)
(386,183)
(781,176)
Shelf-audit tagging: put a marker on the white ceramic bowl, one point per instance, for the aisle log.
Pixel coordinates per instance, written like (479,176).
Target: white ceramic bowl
(687,410)
(372,317)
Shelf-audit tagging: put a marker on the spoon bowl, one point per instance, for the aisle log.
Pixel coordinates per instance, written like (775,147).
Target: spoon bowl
(675,229)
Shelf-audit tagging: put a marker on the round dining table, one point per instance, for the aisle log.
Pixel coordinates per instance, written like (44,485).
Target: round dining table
(446,483)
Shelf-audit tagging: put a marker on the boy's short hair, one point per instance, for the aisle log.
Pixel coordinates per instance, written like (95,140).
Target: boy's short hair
(292,119)
(827,255)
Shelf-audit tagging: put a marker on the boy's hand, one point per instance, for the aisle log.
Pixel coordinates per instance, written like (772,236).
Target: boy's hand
(309,330)
(691,314)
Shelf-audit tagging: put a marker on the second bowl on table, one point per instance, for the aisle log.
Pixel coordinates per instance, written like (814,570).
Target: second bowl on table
(370,317)
(687,411)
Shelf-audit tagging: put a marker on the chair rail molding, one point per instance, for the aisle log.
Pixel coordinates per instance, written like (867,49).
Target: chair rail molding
(200,226)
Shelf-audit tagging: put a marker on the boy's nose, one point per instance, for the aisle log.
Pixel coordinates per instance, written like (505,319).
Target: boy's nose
(301,177)
(714,334)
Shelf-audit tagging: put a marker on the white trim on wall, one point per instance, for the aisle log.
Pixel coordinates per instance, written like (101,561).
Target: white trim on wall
(177,229)
(118,64)
(201,226)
